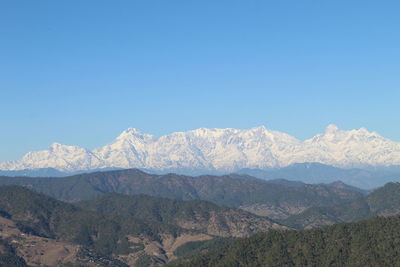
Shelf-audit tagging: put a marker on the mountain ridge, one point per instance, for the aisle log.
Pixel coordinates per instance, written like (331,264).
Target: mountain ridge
(219,150)
(246,192)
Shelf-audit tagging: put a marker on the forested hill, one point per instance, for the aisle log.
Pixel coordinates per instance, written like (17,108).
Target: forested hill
(276,200)
(384,201)
(374,242)
(117,229)
(197,215)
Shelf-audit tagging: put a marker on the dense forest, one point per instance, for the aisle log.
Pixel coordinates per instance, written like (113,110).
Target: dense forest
(374,242)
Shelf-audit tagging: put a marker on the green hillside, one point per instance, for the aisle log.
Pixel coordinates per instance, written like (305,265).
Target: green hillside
(384,201)
(374,242)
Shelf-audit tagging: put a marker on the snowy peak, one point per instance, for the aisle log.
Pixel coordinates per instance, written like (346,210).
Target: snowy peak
(331,129)
(134,134)
(59,156)
(259,129)
(334,134)
(364,132)
(219,149)
(57,147)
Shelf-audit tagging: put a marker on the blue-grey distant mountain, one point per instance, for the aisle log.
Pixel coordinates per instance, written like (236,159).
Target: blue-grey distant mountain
(43,172)
(315,173)
(296,174)
(48,172)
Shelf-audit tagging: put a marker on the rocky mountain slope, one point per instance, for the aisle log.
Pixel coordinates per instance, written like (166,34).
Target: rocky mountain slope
(219,150)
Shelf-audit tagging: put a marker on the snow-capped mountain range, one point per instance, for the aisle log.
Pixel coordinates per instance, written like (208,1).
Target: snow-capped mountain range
(219,149)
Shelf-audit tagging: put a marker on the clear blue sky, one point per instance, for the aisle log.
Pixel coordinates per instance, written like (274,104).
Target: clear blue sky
(80,72)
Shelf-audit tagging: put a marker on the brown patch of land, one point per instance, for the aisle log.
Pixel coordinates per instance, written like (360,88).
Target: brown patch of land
(37,251)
